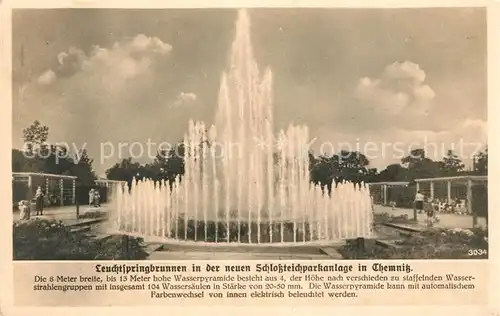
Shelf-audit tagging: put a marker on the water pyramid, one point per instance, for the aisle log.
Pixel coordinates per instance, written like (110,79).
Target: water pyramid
(243,183)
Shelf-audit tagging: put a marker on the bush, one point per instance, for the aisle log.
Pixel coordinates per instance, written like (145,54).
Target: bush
(115,249)
(431,244)
(475,238)
(350,251)
(387,218)
(93,215)
(50,240)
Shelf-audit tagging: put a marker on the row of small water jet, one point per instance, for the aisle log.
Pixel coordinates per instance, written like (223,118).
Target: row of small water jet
(158,210)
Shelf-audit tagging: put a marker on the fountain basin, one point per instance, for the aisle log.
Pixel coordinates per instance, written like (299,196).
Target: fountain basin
(223,244)
(242,232)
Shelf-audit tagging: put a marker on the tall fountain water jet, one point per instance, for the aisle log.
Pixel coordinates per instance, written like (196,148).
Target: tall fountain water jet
(244,125)
(241,183)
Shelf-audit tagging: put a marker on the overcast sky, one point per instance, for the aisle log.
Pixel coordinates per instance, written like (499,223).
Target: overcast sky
(353,76)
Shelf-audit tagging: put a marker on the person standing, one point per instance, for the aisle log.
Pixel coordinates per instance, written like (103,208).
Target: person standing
(419,202)
(429,211)
(25,210)
(97,198)
(91,197)
(39,198)
(393,205)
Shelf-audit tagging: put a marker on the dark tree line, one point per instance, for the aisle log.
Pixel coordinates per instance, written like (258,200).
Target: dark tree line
(324,170)
(168,164)
(39,156)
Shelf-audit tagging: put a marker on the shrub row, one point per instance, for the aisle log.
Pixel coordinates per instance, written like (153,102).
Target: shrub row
(435,243)
(50,240)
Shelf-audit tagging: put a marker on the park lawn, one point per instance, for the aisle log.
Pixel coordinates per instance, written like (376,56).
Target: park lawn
(51,240)
(94,215)
(433,243)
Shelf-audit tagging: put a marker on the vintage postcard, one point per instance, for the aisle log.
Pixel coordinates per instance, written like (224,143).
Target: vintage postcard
(242,156)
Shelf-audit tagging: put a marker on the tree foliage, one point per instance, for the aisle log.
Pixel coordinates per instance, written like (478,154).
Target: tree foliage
(324,170)
(39,156)
(452,164)
(393,172)
(167,165)
(419,166)
(344,166)
(35,137)
(481,162)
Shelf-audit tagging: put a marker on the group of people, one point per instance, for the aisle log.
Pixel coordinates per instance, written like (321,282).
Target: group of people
(424,204)
(94,198)
(25,205)
(455,206)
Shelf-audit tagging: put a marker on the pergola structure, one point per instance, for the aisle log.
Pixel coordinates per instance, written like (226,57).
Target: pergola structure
(60,187)
(382,188)
(108,185)
(468,181)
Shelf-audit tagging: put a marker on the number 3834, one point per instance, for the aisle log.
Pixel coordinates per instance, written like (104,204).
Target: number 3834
(477,252)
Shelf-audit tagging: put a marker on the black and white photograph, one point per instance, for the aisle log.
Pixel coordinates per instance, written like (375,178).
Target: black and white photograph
(249,134)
